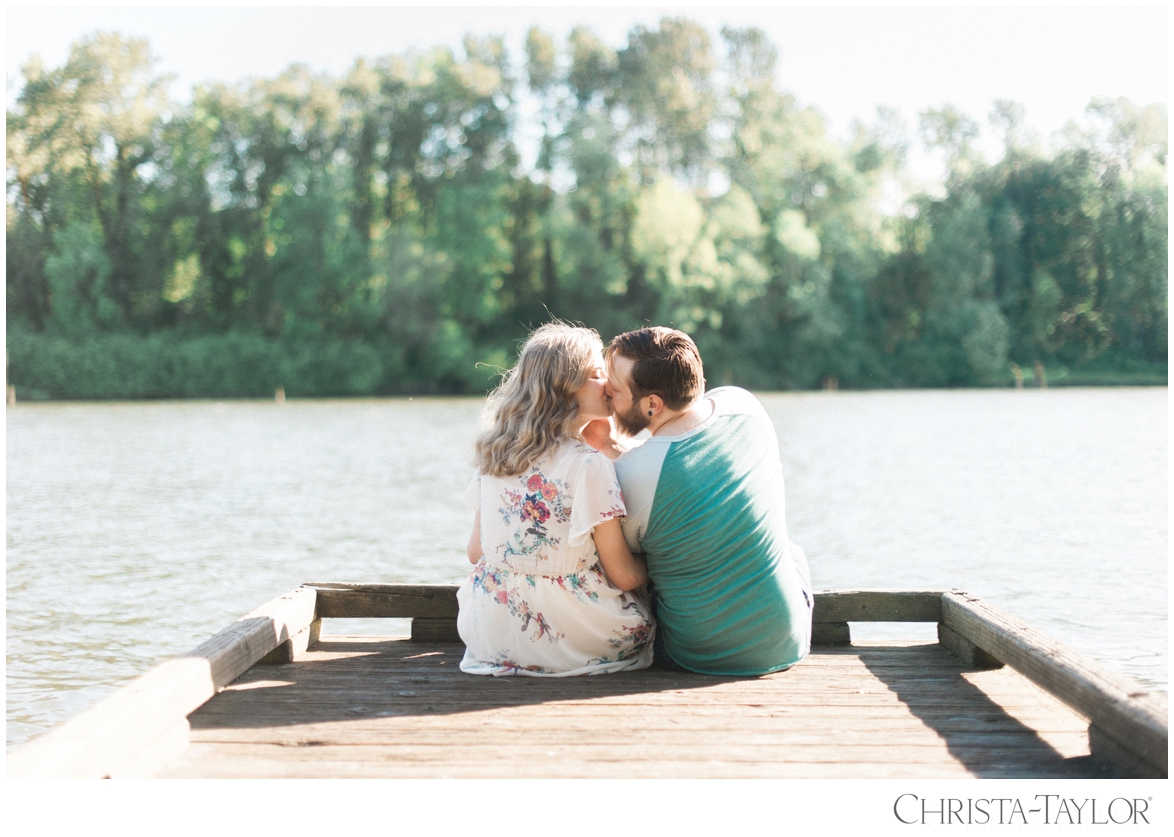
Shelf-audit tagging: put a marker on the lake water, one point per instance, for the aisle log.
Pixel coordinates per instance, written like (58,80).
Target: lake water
(137,530)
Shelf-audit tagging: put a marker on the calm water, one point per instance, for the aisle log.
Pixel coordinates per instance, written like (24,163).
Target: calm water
(135,531)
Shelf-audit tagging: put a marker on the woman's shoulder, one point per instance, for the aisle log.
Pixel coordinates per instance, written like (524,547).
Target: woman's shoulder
(578,456)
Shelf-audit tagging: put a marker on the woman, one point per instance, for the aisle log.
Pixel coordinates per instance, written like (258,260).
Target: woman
(552,588)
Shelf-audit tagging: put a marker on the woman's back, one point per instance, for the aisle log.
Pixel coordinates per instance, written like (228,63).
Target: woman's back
(540,521)
(538,601)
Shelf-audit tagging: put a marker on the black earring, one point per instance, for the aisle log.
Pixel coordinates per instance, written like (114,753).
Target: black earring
(650,412)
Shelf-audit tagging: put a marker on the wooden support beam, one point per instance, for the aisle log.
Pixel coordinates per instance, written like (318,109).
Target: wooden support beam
(294,648)
(877,606)
(434,630)
(831,633)
(1122,757)
(965,650)
(140,727)
(1123,715)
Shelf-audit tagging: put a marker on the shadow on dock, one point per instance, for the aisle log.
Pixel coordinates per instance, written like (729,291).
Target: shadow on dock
(983,712)
(405,679)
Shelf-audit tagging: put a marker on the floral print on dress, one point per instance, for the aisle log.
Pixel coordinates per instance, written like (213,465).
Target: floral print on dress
(538,603)
(510,666)
(529,512)
(628,640)
(492,583)
(580,585)
(617,509)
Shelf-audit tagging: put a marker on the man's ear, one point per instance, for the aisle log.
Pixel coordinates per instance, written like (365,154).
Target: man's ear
(655,405)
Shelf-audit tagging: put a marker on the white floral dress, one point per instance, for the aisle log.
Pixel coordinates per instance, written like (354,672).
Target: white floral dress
(538,603)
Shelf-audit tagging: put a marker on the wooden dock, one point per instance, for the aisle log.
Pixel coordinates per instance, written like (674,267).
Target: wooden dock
(272,697)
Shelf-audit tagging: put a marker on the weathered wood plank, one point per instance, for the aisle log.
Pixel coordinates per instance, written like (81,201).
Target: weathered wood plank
(877,606)
(376,761)
(426,701)
(362,705)
(259,768)
(386,601)
(106,738)
(565,753)
(302,705)
(1116,705)
(241,721)
(908,744)
(244,761)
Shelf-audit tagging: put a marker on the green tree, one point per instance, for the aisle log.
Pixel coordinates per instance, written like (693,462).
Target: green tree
(93,123)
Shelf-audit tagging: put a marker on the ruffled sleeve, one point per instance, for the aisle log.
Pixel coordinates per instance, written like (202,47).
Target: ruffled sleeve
(472,495)
(595,497)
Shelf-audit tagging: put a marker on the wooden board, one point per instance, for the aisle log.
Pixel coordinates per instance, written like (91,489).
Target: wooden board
(367,707)
(338,600)
(877,606)
(341,600)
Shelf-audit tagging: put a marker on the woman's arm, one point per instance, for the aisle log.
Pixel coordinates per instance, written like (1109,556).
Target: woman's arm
(474,548)
(623,569)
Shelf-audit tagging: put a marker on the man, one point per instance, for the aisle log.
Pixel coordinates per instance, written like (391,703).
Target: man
(705,505)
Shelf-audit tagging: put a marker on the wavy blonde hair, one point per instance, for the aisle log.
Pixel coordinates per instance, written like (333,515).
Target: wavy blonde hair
(534,409)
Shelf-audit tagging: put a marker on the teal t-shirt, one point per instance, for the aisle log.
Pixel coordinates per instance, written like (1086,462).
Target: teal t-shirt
(708,511)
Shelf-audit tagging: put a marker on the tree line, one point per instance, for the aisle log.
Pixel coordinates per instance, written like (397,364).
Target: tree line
(400,228)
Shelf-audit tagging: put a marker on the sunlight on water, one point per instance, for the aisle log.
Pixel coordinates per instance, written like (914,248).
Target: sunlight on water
(135,531)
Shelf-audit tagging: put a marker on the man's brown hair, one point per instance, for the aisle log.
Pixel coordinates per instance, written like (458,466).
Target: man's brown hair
(665,363)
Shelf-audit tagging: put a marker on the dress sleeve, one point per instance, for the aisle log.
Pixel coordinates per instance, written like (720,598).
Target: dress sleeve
(596,497)
(472,495)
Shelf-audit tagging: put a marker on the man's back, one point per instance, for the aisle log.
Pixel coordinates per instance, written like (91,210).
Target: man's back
(707,510)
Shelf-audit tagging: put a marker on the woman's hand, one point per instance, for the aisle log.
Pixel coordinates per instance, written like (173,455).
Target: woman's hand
(601,434)
(623,569)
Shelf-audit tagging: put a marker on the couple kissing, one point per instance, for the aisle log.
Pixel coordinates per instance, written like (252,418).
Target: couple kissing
(624,517)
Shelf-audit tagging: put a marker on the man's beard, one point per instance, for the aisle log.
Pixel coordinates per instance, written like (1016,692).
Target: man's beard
(633,421)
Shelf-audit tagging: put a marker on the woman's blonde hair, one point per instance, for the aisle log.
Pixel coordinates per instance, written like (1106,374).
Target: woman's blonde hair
(534,409)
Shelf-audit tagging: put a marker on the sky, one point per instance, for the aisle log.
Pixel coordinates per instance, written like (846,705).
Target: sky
(845,61)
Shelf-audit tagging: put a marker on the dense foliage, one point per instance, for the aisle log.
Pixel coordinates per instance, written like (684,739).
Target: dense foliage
(381,232)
